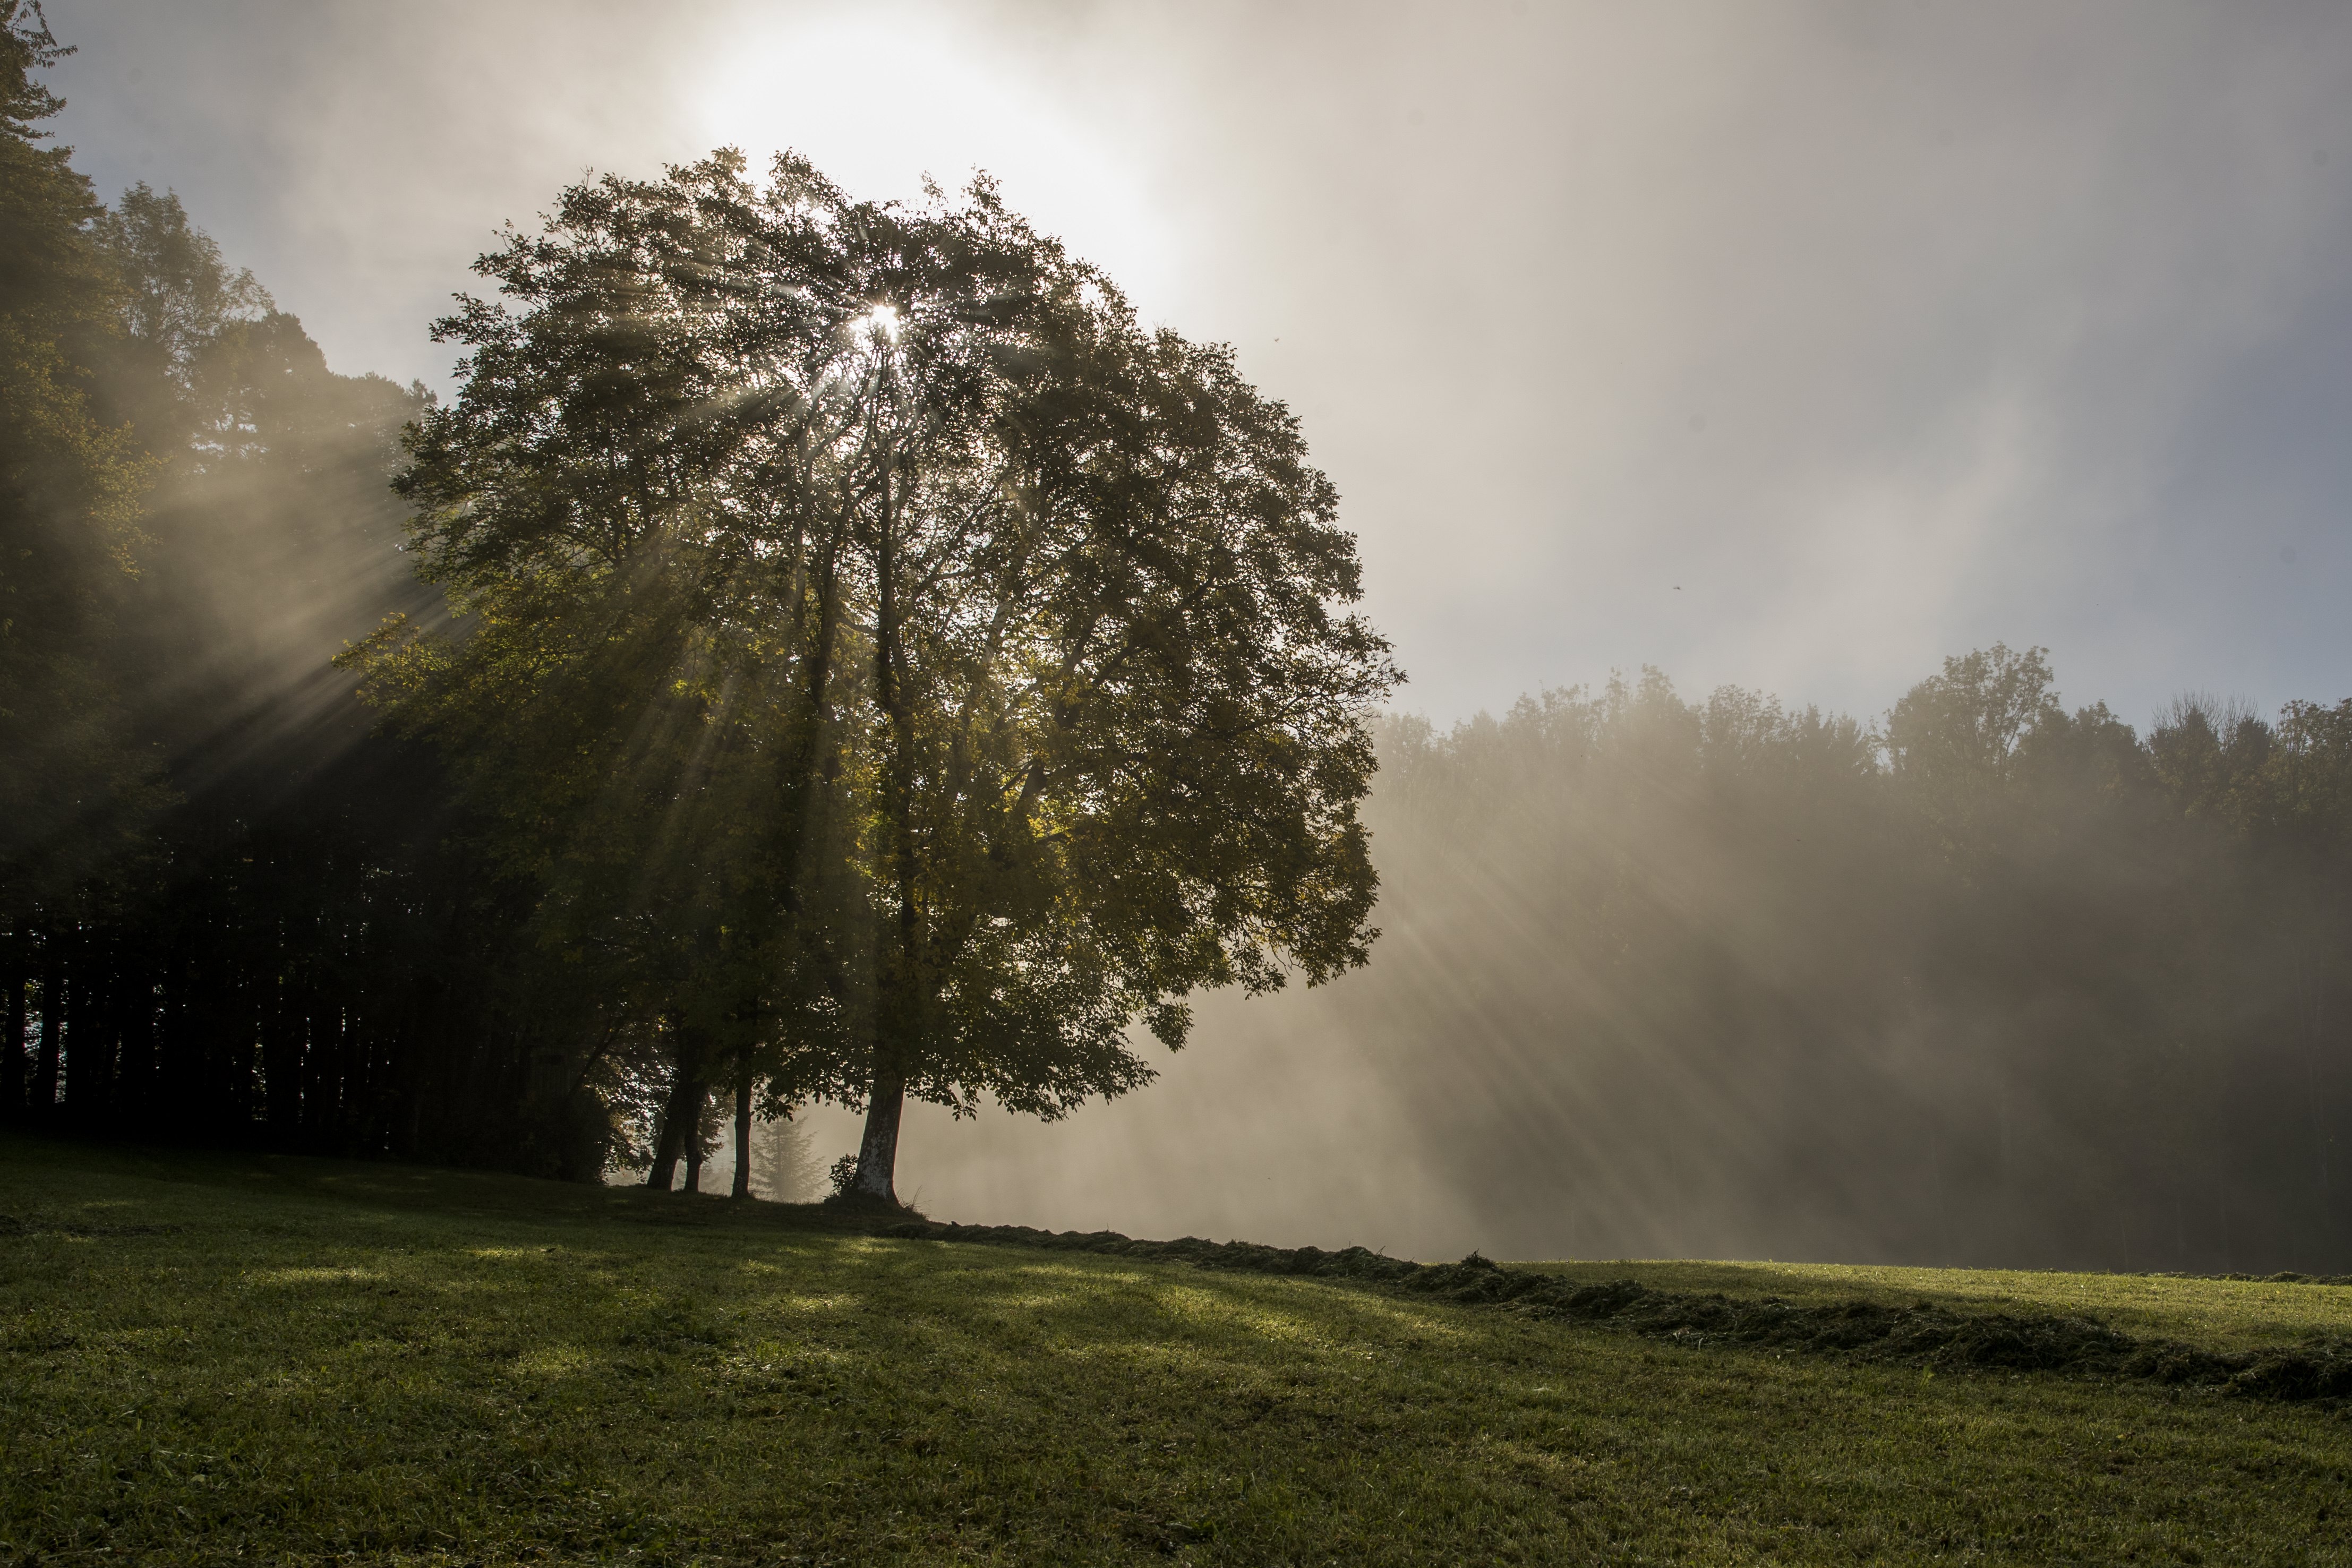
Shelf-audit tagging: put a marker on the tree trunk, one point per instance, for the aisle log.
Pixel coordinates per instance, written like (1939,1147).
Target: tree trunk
(134,1084)
(106,1081)
(664,1167)
(53,1017)
(681,1122)
(281,1053)
(15,976)
(75,1056)
(92,1086)
(878,1153)
(744,1134)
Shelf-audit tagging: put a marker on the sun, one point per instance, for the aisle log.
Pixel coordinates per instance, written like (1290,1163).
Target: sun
(944,102)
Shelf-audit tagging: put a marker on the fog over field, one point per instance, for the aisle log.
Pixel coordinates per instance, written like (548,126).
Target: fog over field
(1787,349)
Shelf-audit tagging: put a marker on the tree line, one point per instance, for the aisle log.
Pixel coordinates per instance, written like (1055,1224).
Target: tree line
(845,656)
(1990,980)
(218,891)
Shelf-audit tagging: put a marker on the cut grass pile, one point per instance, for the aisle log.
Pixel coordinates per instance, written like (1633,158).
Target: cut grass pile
(226,1359)
(2006,1334)
(2223,1315)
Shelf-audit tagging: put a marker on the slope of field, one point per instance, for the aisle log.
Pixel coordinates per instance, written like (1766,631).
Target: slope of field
(210,1359)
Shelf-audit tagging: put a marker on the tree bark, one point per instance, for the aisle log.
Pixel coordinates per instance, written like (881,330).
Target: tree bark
(744,1134)
(877,1151)
(665,1156)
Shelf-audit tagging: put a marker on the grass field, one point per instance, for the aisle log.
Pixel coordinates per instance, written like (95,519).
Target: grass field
(213,1359)
(2219,1314)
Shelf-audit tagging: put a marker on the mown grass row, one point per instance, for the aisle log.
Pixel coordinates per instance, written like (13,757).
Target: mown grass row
(1922,1333)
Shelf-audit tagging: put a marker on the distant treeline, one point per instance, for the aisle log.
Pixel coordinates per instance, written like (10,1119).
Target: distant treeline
(1989,982)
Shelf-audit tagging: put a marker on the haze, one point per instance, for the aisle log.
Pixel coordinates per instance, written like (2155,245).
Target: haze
(1788,346)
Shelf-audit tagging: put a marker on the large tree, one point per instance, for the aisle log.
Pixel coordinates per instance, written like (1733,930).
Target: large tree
(1019,634)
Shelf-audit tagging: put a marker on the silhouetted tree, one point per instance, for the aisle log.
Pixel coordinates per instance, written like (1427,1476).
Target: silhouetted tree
(984,689)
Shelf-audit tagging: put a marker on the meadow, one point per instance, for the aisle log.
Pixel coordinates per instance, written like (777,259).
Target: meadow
(218,1358)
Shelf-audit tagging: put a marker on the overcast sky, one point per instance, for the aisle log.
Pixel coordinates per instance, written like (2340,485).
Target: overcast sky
(1789,345)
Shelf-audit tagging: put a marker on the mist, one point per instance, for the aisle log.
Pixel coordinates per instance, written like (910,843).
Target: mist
(1718,978)
(1790,351)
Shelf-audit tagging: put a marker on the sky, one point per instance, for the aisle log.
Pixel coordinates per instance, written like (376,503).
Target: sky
(1794,345)
(1788,345)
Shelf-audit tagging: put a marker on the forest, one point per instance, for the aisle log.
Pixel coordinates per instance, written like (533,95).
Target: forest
(457,781)
(1985,982)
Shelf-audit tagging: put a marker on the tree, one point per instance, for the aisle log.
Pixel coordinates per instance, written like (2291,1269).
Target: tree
(74,786)
(1955,740)
(1965,726)
(1016,633)
(177,299)
(273,538)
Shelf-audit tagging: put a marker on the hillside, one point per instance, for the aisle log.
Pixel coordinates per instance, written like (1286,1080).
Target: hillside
(214,1358)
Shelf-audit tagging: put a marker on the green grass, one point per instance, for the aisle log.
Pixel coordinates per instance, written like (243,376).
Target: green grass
(211,1359)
